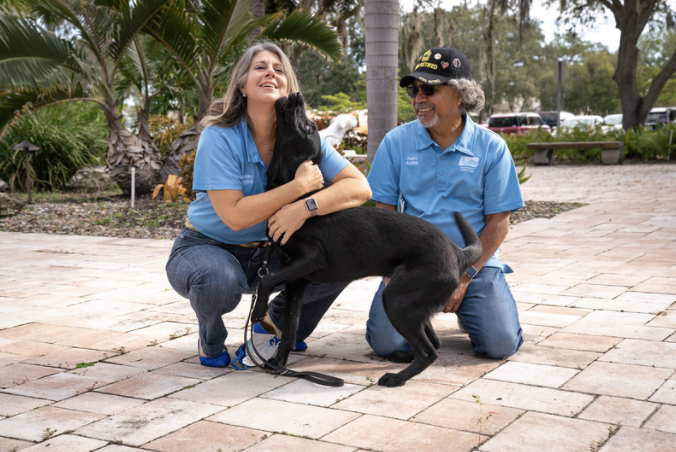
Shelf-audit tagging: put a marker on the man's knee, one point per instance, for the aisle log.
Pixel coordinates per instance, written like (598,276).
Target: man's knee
(385,344)
(499,347)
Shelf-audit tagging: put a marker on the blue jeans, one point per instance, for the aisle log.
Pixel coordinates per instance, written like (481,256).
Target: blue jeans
(213,276)
(488,313)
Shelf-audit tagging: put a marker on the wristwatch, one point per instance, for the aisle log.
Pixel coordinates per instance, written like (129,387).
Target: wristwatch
(311,205)
(471,272)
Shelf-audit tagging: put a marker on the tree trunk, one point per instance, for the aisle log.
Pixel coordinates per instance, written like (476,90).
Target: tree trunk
(184,144)
(487,58)
(381,27)
(631,19)
(126,150)
(414,38)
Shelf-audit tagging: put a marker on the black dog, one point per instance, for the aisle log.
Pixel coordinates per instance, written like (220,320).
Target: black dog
(423,263)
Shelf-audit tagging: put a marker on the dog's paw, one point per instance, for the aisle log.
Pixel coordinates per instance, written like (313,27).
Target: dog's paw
(259,312)
(277,361)
(391,380)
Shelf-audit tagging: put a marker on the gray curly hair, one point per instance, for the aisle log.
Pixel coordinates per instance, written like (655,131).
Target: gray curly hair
(472,93)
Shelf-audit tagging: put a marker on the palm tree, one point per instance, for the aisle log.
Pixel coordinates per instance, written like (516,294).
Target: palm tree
(381,26)
(209,39)
(102,39)
(205,37)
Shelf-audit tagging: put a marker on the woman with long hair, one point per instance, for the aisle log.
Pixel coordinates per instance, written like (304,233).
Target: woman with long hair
(216,257)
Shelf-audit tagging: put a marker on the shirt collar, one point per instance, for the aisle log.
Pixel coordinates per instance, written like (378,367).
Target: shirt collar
(462,144)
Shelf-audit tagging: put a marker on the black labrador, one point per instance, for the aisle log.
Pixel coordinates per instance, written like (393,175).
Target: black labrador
(423,263)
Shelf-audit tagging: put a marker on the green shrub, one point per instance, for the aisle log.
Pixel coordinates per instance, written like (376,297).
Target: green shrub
(70,137)
(638,144)
(651,145)
(187,167)
(165,130)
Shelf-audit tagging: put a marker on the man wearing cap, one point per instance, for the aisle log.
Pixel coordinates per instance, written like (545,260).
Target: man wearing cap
(440,164)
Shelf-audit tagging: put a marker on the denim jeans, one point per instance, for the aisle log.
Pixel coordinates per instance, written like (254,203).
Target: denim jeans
(488,313)
(214,275)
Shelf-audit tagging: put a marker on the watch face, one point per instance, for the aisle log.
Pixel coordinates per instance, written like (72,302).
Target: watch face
(311,204)
(471,272)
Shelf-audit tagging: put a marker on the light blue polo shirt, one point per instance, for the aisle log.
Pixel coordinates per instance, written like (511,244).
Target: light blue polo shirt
(474,176)
(228,159)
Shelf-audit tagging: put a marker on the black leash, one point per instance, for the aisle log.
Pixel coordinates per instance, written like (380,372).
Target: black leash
(267,366)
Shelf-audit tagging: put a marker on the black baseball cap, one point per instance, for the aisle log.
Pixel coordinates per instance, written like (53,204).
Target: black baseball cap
(437,66)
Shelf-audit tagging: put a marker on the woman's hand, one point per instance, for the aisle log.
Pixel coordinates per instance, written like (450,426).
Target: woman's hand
(309,177)
(287,220)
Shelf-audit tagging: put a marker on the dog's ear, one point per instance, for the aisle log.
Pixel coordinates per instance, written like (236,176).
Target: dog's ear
(280,105)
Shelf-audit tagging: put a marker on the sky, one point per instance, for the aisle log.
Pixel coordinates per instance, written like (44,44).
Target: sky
(603,31)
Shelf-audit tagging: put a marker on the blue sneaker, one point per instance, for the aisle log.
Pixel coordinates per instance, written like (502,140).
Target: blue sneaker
(301,346)
(221,360)
(266,345)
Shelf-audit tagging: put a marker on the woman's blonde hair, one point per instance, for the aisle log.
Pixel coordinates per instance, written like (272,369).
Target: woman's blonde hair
(229,110)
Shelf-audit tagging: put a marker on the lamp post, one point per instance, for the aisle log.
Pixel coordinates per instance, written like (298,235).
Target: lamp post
(27,148)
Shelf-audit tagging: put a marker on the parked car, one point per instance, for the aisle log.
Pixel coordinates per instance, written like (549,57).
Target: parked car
(516,123)
(582,121)
(661,115)
(613,121)
(549,117)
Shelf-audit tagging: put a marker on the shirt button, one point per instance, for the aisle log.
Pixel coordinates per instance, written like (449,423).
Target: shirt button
(441,172)
(442,157)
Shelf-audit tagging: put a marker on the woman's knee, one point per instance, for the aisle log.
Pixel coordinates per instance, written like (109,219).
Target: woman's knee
(208,284)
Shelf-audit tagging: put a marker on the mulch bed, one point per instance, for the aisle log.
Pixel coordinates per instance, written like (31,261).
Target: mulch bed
(112,216)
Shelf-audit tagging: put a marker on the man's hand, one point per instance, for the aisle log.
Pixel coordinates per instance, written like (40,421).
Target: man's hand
(459,294)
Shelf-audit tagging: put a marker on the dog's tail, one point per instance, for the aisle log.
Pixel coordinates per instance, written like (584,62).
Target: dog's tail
(472,251)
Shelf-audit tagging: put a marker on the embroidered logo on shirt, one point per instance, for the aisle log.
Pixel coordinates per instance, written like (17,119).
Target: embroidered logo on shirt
(248,179)
(468,163)
(411,160)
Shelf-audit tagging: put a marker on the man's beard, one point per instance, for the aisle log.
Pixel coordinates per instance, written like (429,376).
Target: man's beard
(428,122)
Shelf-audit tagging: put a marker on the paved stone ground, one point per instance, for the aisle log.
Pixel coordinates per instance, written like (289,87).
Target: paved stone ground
(596,288)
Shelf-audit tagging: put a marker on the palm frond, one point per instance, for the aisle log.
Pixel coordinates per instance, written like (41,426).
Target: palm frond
(222,19)
(176,30)
(93,26)
(12,102)
(304,27)
(27,52)
(130,23)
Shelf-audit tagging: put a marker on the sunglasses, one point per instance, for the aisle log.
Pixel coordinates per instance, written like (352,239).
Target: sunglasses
(427,90)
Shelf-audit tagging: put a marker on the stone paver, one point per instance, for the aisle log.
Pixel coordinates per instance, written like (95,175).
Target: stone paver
(561,434)
(145,423)
(302,420)
(396,435)
(204,435)
(616,410)
(596,293)
(42,423)
(620,380)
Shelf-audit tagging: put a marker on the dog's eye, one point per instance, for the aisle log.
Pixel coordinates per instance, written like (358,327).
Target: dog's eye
(307,127)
